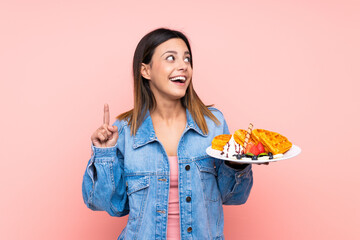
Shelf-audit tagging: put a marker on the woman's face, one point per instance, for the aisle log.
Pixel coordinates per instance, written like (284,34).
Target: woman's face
(170,59)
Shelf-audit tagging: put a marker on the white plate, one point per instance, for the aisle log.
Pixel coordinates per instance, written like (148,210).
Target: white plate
(293,151)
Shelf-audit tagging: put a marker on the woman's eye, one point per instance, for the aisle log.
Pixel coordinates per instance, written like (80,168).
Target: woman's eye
(169,57)
(172,58)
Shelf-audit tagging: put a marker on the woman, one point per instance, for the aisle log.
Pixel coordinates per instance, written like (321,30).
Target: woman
(151,163)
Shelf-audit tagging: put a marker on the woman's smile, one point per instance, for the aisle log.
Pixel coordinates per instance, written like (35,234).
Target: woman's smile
(179,80)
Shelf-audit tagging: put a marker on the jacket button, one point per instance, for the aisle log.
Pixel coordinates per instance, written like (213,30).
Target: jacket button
(189,229)
(187,167)
(188,199)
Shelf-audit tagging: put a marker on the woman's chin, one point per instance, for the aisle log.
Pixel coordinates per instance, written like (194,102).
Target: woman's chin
(177,95)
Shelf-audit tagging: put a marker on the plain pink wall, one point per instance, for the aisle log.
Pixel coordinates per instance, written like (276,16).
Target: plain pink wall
(291,67)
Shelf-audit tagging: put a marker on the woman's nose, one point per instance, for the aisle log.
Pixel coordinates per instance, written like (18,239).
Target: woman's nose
(182,65)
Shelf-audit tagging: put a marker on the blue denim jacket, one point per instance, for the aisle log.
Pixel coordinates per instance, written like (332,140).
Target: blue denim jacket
(133,177)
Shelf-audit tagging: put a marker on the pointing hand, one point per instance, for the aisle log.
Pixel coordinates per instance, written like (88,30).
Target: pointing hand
(105,135)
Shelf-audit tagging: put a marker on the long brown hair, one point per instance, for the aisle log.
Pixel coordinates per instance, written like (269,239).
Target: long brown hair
(144,98)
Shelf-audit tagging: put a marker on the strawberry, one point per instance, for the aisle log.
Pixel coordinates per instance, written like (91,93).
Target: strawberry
(260,147)
(248,147)
(254,150)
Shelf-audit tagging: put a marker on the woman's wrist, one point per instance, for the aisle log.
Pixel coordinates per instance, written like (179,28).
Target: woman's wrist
(237,166)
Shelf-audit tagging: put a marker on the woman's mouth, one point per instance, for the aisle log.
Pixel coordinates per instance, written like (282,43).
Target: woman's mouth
(178,80)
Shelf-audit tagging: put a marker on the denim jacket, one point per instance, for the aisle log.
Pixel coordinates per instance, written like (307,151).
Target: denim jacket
(133,177)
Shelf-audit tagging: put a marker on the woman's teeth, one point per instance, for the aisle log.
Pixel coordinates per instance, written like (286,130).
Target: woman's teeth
(178,79)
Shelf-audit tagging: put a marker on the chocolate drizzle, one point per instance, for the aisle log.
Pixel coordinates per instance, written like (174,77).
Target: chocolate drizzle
(228,147)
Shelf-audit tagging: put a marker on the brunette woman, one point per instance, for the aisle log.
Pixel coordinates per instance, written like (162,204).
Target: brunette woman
(151,162)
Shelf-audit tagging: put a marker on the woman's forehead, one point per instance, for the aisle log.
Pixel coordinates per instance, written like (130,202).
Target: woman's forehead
(174,45)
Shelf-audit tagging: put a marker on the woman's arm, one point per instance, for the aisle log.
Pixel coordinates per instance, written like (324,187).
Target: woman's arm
(235,182)
(235,185)
(103,186)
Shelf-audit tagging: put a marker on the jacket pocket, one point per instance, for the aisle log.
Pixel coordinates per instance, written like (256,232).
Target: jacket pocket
(208,177)
(137,191)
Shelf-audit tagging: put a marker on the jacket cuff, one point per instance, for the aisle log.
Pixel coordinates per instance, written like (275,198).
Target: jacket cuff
(242,173)
(106,152)
(238,173)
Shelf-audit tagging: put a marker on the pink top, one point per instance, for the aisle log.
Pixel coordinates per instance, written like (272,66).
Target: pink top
(173,229)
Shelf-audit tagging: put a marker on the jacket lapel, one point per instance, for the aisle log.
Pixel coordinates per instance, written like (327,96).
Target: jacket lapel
(146,133)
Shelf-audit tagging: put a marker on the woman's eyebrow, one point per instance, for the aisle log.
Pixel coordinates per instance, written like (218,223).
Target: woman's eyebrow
(175,52)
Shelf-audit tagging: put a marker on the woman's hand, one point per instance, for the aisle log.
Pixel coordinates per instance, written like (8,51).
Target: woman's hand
(105,136)
(266,163)
(241,165)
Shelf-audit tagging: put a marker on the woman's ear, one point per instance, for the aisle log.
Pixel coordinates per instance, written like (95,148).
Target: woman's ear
(145,71)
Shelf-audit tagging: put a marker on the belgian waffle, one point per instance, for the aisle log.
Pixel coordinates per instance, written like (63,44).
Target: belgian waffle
(219,141)
(239,136)
(273,142)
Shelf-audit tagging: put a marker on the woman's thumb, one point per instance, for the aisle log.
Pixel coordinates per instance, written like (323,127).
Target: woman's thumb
(113,129)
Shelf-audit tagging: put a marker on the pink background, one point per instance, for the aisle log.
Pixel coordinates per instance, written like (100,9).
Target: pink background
(290,67)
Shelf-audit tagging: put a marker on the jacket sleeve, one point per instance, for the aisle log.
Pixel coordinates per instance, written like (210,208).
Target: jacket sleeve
(234,184)
(103,185)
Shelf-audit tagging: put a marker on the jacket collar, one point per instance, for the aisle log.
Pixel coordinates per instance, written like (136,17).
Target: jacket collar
(146,133)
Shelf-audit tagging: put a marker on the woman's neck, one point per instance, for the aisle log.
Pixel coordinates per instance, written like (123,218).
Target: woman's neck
(169,111)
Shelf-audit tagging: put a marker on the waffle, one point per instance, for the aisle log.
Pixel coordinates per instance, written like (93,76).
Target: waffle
(239,136)
(219,141)
(256,139)
(273,142)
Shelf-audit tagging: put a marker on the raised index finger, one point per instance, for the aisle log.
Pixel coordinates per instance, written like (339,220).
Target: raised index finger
(106,114)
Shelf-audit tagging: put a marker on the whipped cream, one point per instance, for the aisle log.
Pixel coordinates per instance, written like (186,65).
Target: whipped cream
(231,148)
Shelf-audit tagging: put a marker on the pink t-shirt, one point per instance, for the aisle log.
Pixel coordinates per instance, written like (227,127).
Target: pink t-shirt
(173,229)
